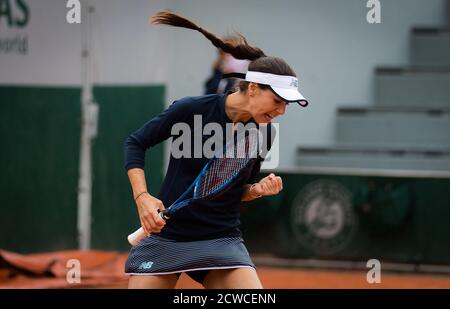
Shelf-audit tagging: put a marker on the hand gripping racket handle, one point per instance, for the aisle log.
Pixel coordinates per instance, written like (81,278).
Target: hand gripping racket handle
(135,237)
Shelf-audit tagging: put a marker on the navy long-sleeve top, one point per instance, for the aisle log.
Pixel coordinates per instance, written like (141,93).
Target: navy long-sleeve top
(199,220)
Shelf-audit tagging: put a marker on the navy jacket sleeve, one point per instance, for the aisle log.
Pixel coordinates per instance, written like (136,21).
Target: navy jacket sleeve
(152,133)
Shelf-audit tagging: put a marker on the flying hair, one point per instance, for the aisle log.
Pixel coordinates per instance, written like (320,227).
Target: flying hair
(239,49)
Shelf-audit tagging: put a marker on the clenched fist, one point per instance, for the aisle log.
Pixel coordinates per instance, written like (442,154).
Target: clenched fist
(269,185)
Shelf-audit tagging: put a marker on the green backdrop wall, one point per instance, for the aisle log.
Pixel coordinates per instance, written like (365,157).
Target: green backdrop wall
(353,217)
(40,138)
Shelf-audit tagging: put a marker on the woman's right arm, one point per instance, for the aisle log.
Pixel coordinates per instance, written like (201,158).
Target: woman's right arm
(147,205)
(153,132)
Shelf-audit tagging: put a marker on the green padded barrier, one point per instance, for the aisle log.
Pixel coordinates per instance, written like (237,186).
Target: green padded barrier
(123,109)
(40,134)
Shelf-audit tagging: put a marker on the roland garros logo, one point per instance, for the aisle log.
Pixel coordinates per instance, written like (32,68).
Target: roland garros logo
(323,219)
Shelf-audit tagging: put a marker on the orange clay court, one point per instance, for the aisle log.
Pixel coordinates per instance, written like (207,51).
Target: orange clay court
(100,269)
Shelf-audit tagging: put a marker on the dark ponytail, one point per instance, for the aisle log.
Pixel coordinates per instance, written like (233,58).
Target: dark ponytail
(239,49)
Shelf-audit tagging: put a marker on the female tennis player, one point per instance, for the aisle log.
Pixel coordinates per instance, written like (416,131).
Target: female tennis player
(203,239)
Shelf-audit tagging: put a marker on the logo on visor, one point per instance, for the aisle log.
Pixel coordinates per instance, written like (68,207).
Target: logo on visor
(294,83)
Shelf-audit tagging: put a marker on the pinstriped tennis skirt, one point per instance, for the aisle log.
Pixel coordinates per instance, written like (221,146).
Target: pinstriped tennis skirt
(156,255)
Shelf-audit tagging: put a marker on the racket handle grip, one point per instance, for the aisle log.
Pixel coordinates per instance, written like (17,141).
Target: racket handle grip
(135,237)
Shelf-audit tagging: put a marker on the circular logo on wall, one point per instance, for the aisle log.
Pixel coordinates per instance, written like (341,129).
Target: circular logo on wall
(322,217)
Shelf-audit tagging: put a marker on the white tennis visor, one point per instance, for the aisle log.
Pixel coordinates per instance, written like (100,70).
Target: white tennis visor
(285,87)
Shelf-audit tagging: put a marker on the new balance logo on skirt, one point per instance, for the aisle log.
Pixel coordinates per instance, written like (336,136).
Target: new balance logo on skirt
(146,265)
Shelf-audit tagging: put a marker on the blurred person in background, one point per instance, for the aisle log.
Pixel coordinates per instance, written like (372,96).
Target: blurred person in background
(225,63)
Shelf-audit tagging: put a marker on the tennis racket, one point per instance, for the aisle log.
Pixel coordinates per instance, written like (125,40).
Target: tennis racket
(217,176)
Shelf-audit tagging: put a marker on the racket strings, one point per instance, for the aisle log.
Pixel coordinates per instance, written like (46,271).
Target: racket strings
(219,173)
(223,169)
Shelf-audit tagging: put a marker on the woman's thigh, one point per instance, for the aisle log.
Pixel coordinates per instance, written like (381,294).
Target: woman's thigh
(235,278)
(153,282)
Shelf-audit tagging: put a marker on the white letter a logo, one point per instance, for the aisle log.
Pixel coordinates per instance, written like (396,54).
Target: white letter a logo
(73,16)
(374,15)
(374,274)
(74,273)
